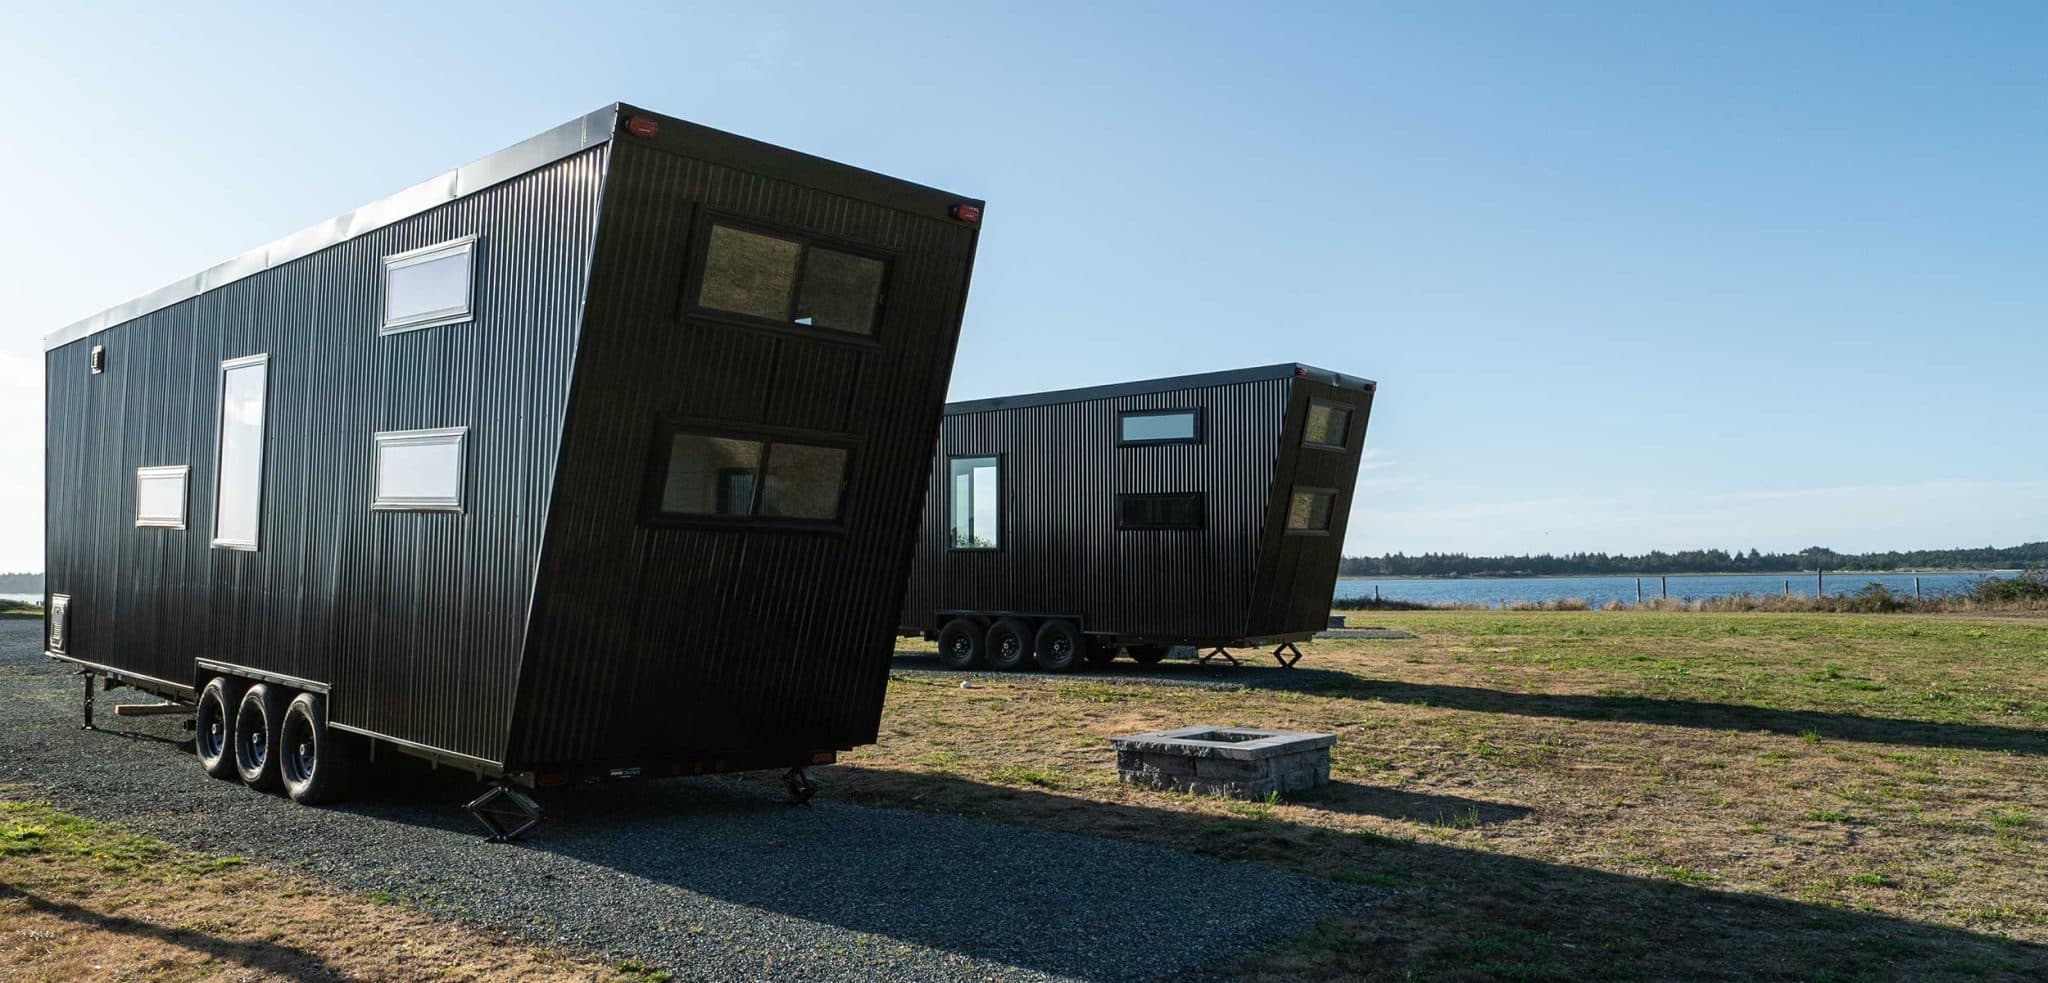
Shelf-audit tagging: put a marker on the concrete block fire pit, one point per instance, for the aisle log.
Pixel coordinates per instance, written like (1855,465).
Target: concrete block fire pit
(1239,762)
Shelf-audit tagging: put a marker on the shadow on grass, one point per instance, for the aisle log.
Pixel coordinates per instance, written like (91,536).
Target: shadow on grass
(1429,809)
(265,957)
(1470,914)
(1695,713)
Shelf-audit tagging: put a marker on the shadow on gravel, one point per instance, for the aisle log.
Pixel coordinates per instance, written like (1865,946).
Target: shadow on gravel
(1465,913)
(1693,713)
(266,957)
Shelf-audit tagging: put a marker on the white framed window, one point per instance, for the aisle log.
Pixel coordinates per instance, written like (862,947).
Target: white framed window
(238,479)
(160,496)
(421,470)
(430,286)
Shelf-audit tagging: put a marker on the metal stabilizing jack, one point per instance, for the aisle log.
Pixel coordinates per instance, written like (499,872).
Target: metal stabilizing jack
(87,675)
(801,785)
(507,812)
(1286,661)
(1218,651)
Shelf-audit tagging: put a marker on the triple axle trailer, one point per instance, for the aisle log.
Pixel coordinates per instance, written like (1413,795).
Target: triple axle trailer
(1202,510)
(599,457)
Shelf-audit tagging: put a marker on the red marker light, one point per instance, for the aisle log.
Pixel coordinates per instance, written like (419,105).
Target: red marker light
(644,127)
(970,214)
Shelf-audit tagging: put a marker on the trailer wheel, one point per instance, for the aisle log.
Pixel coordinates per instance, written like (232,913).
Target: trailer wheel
(213,726)
(1009,644)
(960,644)
(256,718)
(1100,653)
(312,760)
(1149,655)
(1059,646)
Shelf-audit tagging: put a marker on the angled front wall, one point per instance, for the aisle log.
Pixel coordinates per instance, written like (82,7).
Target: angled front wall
(413,618)
(657,642)
(1297,570)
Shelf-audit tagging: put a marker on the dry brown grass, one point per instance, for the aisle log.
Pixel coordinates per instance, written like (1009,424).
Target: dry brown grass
(83,901)
(1572,795)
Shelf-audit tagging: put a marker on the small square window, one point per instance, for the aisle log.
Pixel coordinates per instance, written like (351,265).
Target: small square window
(975,492)
(1328,426)
(803,482)
(160,495)
(1181,510)
(1159,427)
(420,470)
(710,475)
(789,281)
(1308,510)
(427,287)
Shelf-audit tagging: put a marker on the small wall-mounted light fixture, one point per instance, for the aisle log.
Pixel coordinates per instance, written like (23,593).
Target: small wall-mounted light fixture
(99,359)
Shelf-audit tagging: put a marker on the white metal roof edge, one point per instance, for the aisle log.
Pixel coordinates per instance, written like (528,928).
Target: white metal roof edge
(565,140)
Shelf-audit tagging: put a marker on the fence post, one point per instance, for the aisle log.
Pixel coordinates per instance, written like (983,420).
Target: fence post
(1639,592)
(1788,588)
(1665,582)
(1916,590)
(1375,593)
(1818,589)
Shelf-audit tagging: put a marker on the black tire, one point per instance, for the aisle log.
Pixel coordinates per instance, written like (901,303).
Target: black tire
(1149,655)
(256,718)
(1101,653)
(313,762)
(1008,646)
(960,644)
(1059,646)
(213,727)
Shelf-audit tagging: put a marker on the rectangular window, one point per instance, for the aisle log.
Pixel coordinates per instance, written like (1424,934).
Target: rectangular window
(427,287)
(420,469)
(1179,510)
(749,477)
(1308,510)
(238,492)
(975,492)
(1159,427)
(1328,426)
(160,496)
(789,281)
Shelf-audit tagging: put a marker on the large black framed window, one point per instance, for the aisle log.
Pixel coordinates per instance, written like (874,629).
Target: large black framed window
(1167,510)
(714,475)
(1142,427)
(771,277)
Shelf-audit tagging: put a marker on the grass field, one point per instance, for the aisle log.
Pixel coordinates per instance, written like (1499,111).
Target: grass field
(1581,794)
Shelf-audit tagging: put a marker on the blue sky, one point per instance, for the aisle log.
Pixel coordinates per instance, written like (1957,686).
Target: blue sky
(1631,275)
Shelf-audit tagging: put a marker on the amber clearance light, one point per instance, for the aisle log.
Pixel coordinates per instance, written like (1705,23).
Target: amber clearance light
(644,127)
(969,214)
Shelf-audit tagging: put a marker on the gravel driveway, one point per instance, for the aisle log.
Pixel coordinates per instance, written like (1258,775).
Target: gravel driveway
(716,879)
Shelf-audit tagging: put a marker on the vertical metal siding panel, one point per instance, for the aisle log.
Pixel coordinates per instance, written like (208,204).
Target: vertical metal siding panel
(686,640)
(414,619)
(1065,556)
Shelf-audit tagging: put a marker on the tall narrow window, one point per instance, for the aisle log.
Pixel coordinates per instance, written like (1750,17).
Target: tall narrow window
(1159,427)
(420,469)
(976,493)
(742,477)
(238,491)
(427,287)
(160,496)
(1328,426)
(1308,510)
(789,281)
(1178,510)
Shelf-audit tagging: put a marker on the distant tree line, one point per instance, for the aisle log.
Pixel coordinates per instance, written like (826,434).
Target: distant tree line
(2025,557)
(21,583)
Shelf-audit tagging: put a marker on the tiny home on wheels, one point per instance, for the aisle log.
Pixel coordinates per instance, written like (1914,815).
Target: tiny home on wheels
(596,458)
(1204,510)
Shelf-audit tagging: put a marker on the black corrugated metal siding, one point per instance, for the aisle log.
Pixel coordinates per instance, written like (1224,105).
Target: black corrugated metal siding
(1298,572)
(658,642)
(1062,553)
(414,618)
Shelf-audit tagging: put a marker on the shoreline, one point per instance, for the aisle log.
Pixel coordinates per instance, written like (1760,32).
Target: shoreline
(1433,578)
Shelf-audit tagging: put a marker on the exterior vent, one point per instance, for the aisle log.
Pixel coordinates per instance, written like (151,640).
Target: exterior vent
(60,617)
(99,359)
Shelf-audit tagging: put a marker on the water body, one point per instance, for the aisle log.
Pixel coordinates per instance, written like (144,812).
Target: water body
(1496,591)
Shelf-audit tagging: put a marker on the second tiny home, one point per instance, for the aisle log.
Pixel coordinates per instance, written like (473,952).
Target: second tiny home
(1205,510)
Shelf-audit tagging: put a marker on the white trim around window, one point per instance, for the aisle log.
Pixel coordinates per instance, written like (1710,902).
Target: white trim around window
(443,306)
(420,470)
(238,479)
(151,509)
